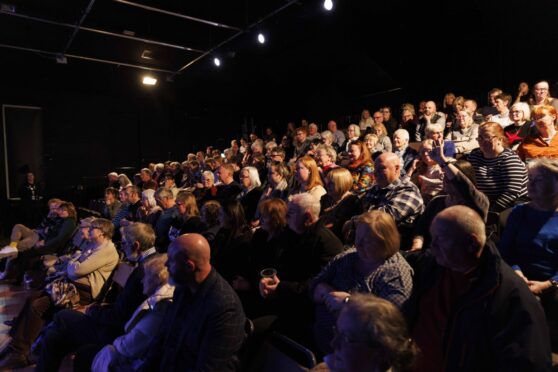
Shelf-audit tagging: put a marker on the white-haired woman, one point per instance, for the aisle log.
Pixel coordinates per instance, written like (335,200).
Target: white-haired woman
(128,350)
(149,211)
(520,114)
(251,191)
(353,134)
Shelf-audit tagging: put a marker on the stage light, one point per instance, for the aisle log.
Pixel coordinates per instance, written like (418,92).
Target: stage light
(328,5)
(261,38)
(217,61)
(149,80)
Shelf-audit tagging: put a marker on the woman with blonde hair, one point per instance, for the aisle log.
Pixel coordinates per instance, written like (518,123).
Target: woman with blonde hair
(308,178)
(384,143)
(374,266)
(340,203)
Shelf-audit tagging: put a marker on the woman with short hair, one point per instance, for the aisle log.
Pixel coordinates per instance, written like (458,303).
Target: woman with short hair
(544,144)
(374,266)
(521,128)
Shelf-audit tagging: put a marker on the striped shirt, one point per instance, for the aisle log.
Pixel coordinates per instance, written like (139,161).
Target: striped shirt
(502,179)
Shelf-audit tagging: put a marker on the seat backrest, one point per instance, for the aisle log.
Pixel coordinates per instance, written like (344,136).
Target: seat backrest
(280,353)
(122,272)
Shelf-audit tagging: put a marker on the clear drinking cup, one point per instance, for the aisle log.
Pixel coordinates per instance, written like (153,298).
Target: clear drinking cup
(269,273)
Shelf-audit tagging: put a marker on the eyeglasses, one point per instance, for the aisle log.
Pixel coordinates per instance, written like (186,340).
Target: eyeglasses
(517,112)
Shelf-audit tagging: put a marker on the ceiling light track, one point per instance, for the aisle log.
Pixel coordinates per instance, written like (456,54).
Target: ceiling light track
(85,58)
(78,25)
(103,32)
(179,15)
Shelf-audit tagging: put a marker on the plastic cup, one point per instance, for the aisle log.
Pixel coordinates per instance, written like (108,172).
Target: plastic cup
(269,273)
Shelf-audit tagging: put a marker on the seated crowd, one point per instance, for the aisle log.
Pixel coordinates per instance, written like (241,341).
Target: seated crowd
(429,245)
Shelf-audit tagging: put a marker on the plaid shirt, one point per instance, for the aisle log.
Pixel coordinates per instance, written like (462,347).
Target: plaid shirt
(400,199)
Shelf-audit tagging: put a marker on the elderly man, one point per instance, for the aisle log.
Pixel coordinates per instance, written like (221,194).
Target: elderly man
(166,200)
(399,198)
(339,137)
(298,262)
(87,333)
(471,311)
(204,327)
(401,148)
(430,116)
(302,144)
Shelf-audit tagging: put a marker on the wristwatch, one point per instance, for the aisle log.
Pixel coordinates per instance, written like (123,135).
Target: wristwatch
(553,283)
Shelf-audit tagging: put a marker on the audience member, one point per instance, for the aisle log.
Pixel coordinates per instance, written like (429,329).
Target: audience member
(500,173)
(469,310)
(73,331)
(87,272)
(545,142)
(128,350)
(373,266)
(204,326)
(529,240)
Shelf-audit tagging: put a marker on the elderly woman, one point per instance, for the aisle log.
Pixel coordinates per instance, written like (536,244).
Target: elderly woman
(308,178)
(329,139)
(340,203)
(374,266)
(326,157)
(278,181)
(371,140)
(428,176)
(361,167)
(149,212)
(545,143)
(435,132)
(188,219)
(402,149)
(207,189)
(353,134)
(370,335)
(128,350)
(88,271)
(465,138)
(530,240)
(365,120)
(521,128)
(123,181)
(384,143)
(500,173)
(251,191)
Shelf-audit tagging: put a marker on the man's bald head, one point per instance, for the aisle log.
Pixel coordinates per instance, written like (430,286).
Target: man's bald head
(188,259)
(195,246)
(458,238)
(387,169)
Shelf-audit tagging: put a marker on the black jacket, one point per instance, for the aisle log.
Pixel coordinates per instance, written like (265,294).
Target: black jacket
(498,325)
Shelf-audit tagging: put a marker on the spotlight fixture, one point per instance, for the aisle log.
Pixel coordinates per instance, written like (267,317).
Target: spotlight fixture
(328,5)
(149,80)
(216,61)
(261,38)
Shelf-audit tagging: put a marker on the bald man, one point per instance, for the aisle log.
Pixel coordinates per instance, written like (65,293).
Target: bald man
(204,327)
(469,310)
(430,116)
